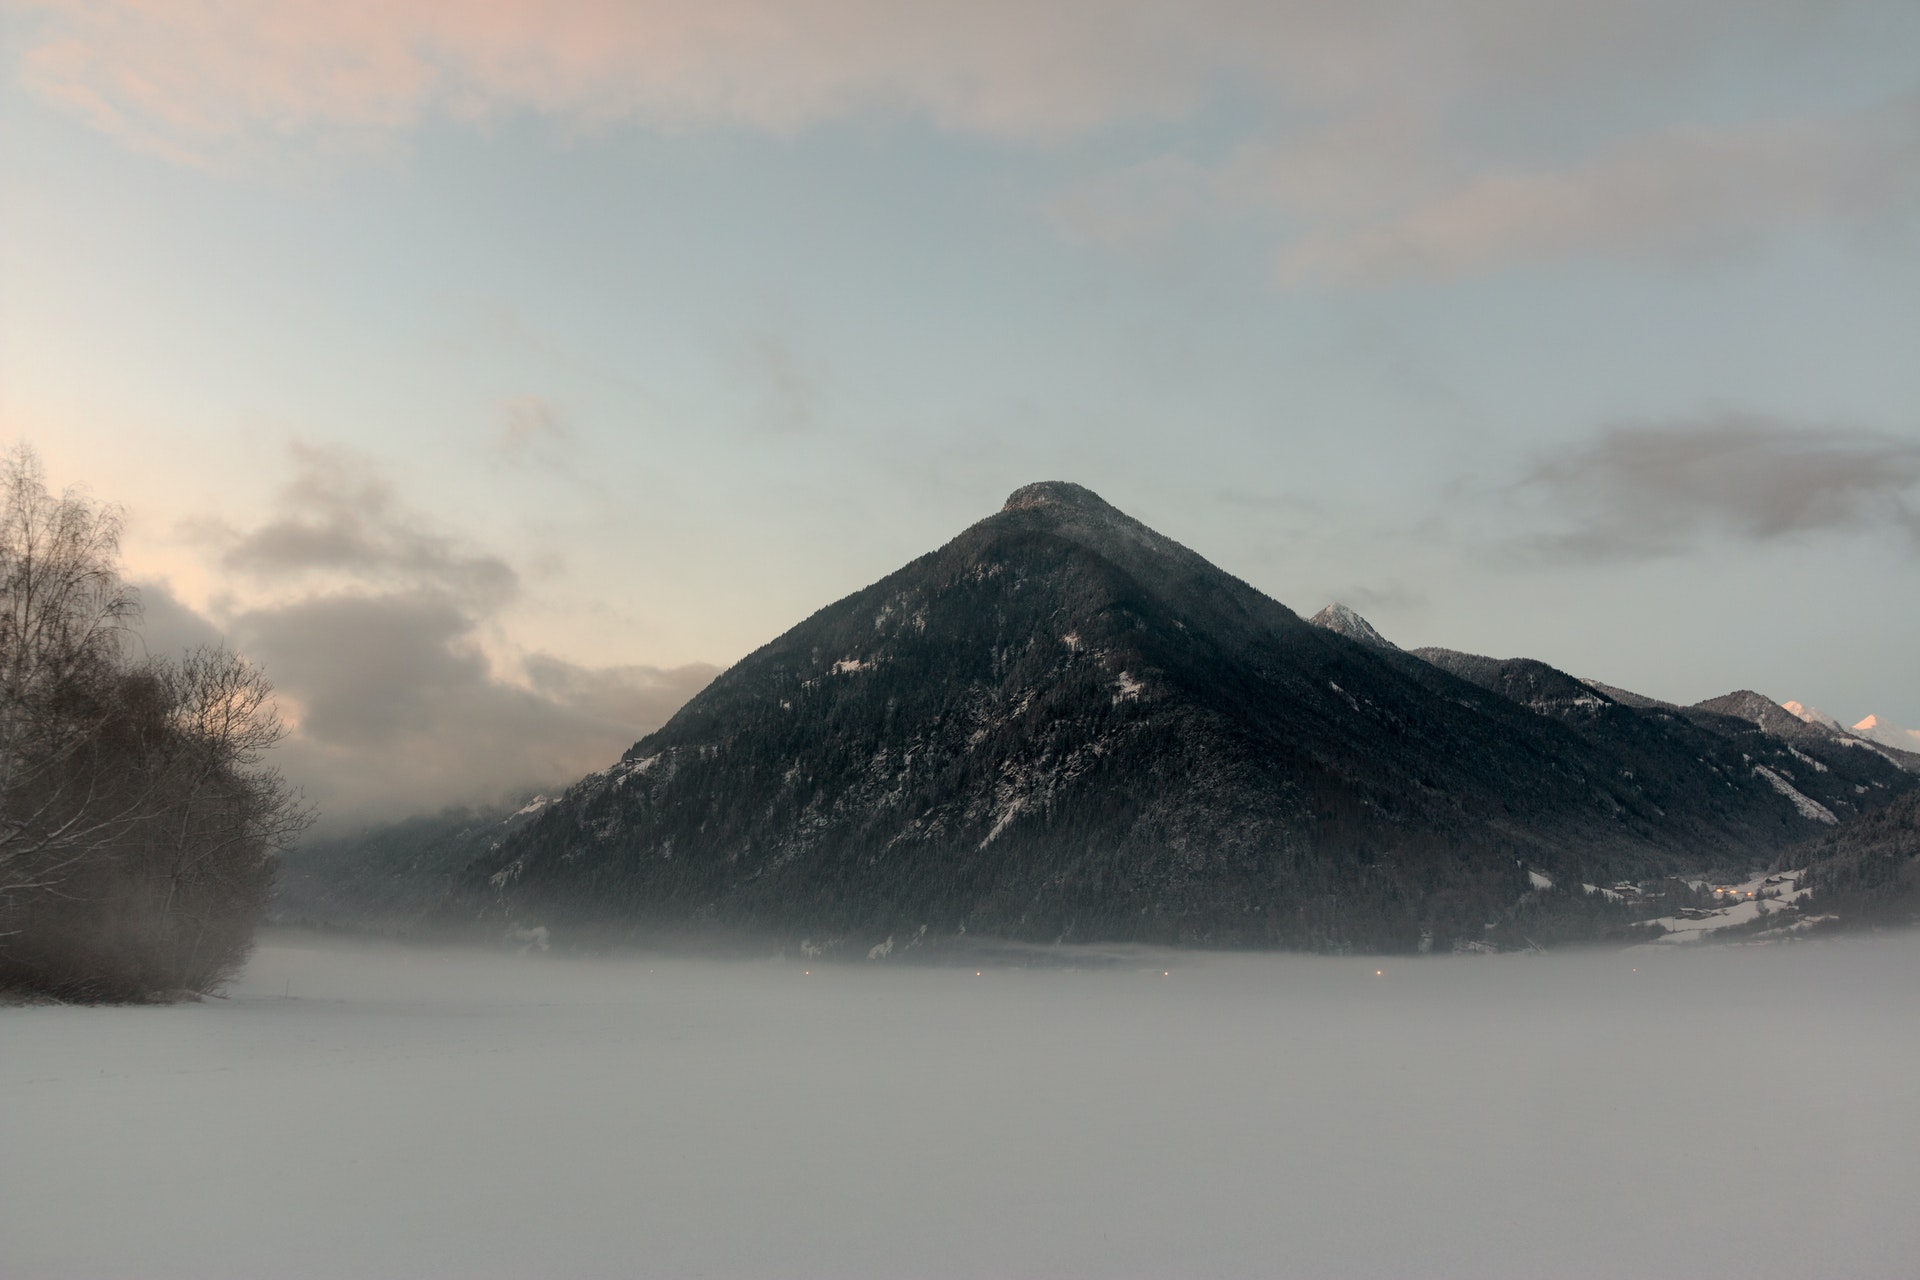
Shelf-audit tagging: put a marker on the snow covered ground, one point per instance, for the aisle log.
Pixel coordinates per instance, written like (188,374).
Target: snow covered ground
(1769,894)
(378,1112)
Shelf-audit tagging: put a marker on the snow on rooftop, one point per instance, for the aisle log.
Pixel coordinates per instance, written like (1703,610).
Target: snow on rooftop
(1768,893)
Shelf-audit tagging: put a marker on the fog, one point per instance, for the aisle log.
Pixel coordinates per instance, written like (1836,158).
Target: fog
(362,1110)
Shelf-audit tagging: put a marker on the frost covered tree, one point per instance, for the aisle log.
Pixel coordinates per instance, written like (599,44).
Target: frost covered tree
(139,821)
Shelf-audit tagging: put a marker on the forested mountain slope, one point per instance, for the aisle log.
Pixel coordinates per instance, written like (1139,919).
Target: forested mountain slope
(1063,724)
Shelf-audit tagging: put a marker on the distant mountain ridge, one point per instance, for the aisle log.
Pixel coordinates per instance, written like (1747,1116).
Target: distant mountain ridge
(1063,724)
(1806,765)
(392,877)
(1814,716)
(1874,729)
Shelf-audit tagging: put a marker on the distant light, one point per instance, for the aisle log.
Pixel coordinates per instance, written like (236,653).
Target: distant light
(976,973)
(1379,973)
(1166,973)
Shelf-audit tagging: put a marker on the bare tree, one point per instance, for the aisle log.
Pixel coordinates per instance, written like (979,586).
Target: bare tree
(63,617)
(139,822)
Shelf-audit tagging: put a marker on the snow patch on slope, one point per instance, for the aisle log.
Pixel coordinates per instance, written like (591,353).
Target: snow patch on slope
(1809,808)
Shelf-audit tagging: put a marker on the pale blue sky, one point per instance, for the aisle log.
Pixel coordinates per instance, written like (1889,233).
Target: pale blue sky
(1583,331)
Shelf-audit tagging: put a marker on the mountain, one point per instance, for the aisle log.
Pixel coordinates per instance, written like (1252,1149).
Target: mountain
(1758,709)
(1867,872)
(1733,713)
(1063,724)
(1814,716)
(1716,763)
(391,877)
(1874,729)
(1343,621)
(1627,697)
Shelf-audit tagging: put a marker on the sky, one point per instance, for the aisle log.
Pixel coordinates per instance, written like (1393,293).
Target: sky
(494,373)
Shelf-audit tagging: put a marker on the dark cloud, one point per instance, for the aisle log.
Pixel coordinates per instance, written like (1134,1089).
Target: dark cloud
(397,709)
(341,518)
(1655,489)
(394,704)
(168,627)
(367,669)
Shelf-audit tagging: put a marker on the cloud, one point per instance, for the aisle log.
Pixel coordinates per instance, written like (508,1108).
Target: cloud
(1657,489)
(197,74)
(1369,145)
(1684,195)
(372,625)
(527,420)
(342,521)
(1384,197)
(1136,205)
(200,73)
(397,709)
(168,627)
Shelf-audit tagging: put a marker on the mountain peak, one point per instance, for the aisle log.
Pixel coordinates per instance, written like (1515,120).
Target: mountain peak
(1056,493)
(1341,620)
(1875,729)
(1758,709)
(1814,715)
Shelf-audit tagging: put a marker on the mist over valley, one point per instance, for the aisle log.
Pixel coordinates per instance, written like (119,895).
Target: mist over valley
(355,1108)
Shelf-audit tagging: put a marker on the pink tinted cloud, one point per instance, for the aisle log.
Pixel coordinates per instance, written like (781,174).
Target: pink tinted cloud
(193,73)
(1382,197)
(1361,162)
(1689,194)
(190,74)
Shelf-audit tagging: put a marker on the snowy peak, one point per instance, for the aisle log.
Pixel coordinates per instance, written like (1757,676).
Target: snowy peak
(1874,729)
(1813,715)
(1341,620)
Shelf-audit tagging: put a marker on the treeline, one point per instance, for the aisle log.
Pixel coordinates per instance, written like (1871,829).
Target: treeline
(139,821)
(1867,872)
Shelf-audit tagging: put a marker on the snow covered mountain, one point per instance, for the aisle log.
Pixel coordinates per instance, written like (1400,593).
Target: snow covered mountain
(1064,724)
(1814,716)
(1874,729)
